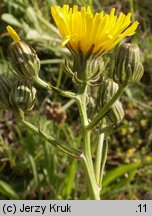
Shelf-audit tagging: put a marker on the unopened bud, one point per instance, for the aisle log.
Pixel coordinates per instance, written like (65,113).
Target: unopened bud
(116,113)
(128,67)
(5,86)
(107,90)
(22,96)
(23,57)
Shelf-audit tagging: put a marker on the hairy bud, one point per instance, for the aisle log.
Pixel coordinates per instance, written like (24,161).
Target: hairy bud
(24,59)
(128,67)
(107,89)
(116,113)
(22,95)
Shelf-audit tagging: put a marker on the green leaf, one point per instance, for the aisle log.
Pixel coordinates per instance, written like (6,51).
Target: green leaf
(10,19)
(7,191)
(119,171)
(34,170)
(69,180)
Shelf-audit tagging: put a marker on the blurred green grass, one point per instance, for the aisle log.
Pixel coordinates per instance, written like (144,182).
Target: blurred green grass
(32,169)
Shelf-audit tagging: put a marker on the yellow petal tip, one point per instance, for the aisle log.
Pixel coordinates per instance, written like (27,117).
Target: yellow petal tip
(13,33)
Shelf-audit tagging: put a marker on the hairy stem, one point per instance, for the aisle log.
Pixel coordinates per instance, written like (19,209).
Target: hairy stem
(103,161)
(93,187)
(81,102)
(87,157)
(98,158)
(50,87)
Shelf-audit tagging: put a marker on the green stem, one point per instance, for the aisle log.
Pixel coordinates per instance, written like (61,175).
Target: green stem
(93,187)
(81,103)
(87,157)
(99,157)
(100,152)
(104,158)
(66,149)
(50,87)
(106,108)
(67,105)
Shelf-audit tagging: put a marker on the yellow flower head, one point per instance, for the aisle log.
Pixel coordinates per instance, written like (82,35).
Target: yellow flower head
(87,32)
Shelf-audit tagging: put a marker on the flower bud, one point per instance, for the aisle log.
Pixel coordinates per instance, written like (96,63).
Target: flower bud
(5,86)
(116,113)
(24,59)
(128,67)
(107,89)
(22,95)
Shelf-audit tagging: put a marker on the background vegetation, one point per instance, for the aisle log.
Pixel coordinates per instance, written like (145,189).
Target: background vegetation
(32,169)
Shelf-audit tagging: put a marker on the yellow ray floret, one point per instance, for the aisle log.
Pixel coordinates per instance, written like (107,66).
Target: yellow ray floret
(13,33)
(85,31)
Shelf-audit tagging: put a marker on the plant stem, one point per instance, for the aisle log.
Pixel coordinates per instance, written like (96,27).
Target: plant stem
(81,102)
(99,157)
(65,148)
(51,88)
(106,108)
(67,105)
(93,187)
(87,157)
(103,161)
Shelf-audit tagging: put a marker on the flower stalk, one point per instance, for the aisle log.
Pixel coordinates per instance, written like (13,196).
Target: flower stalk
(87,155)
(99,153)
